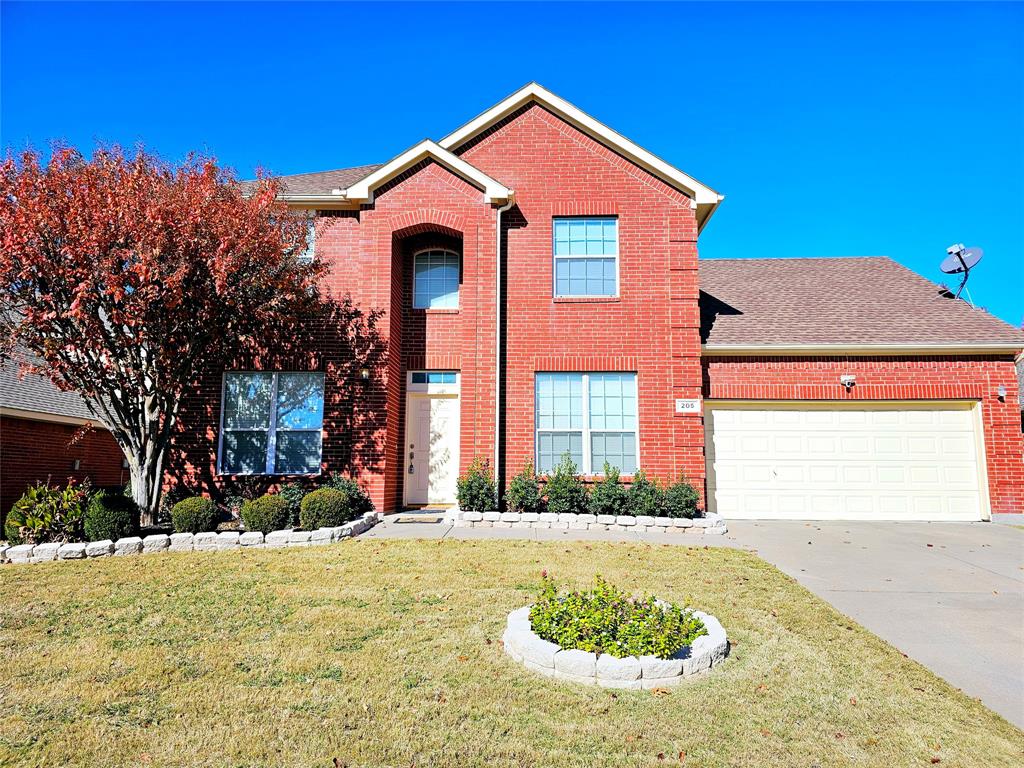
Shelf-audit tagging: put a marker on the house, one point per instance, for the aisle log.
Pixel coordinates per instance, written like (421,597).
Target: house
(535,284)
(47,434)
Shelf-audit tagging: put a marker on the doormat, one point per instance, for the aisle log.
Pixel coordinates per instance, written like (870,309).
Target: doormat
(419,518)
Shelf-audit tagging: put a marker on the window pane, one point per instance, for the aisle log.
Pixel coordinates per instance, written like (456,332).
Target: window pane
(300,401)
(436,280)
(616,448)
(247,400)
(307,255)
(585,277)
(559,401)
(420,377)
(244,453)
(552,445)
(612,401)
(297,452)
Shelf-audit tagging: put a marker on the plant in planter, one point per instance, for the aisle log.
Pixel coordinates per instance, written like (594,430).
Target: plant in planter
(524,494)
(646,497)
(476,490)
(268,513)
(564,490)
(682,500)
(606,620)
(609,496)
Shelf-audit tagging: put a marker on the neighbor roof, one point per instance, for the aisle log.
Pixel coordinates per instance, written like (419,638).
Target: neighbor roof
(35,394)
(855,302)
(320,183)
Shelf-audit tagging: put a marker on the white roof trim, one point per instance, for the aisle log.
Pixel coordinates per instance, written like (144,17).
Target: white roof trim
(724,350)
(55,418)
(362,190)
(701,194)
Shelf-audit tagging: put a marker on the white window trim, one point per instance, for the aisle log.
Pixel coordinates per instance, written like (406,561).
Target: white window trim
(458,283)
(272,430)
(586,468)
(434,389)
(555,258)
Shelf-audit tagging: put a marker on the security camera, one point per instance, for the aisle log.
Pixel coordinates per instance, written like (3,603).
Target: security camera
(848,381)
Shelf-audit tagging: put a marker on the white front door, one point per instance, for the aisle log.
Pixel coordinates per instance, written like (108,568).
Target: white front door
(863,461)
(431,439)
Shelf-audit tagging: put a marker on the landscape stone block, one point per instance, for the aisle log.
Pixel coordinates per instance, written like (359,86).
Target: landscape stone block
(44,553)
(101,548)
(251,539)
(130,545)
(181,542)
(156,542)
(205,541)
(71,551)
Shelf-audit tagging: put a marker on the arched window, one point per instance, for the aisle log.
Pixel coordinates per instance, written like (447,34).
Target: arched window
(435,280)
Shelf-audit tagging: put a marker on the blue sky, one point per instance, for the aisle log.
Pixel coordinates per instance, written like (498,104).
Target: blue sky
(832,129)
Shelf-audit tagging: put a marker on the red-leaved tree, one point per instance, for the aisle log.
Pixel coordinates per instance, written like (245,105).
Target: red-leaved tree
(126,277)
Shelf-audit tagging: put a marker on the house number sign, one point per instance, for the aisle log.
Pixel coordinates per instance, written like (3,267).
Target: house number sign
(687,406)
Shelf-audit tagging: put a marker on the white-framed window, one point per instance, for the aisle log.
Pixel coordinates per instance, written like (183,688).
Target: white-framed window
(271,423)
(586,256)
(306,257)
(592,416)
(436,279)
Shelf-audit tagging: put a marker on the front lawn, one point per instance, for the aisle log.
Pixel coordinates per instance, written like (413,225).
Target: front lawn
(387,653)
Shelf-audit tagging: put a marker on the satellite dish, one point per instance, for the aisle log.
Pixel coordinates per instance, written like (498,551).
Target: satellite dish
(961,260)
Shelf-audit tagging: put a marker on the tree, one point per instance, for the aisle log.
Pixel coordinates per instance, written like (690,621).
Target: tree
(127,277)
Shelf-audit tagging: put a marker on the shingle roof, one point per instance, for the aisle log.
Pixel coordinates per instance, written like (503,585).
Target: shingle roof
(321,182)
(861,301)
(36,393)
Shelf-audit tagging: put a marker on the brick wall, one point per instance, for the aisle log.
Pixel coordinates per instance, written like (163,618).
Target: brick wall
(32,451)
(894,378)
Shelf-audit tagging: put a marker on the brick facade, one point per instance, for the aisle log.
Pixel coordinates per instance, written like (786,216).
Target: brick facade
(32,451)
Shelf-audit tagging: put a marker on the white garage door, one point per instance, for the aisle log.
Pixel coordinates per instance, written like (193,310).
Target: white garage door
(886,461)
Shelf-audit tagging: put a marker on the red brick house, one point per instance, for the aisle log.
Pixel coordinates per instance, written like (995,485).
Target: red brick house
(530,285)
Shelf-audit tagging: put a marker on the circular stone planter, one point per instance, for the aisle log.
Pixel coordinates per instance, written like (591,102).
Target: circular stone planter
(538,655)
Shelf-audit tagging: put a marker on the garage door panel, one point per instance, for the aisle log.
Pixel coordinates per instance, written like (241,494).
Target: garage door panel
(882,462)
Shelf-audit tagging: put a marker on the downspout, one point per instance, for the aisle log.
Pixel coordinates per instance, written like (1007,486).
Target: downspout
(497,338)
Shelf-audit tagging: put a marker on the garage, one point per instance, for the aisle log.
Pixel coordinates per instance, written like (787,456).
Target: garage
(845,461)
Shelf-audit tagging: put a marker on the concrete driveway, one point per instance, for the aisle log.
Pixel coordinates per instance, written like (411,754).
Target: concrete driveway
(949,595)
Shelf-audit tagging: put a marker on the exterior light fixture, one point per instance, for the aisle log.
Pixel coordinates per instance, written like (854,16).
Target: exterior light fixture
(76,465)
(1001,393)
(364,374)
(848,381)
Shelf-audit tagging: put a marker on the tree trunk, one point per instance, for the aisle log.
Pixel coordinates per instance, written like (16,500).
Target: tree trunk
(146,469)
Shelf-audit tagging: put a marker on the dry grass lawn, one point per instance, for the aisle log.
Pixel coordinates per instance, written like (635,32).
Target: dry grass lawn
(387,653)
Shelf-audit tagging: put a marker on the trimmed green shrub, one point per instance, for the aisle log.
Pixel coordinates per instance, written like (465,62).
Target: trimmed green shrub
(111,515)
(605,620)
(564,490)
(293,493)
(609,496)
(46,513)
(682,500)
(476,490)
(646,497)
(358,498)
(194,515)
(524,494)
(265,514)
(325,508)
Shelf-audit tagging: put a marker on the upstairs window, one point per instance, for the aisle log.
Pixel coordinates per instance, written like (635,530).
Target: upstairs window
(435,280)
(271,423)
(586,253)
(306,257)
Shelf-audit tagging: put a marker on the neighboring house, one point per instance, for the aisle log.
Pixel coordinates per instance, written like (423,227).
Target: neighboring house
(540,292)
(47,434)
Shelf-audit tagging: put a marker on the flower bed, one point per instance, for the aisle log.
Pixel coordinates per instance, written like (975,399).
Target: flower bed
(711,525)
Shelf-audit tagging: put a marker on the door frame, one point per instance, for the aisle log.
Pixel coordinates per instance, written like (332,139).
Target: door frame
(415,392)
(974,406)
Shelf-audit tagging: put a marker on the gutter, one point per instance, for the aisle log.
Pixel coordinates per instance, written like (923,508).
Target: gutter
(996,348)
(497,337)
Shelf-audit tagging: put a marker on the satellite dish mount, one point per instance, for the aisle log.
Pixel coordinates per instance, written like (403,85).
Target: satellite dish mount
(961,260)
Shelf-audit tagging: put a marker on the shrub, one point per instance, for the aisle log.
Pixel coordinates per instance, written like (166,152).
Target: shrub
(609,496)
(111,515)
(359,499)
(194,515)
(265,514)
(293,493)
(325,508)
(646,497)
(46,513)
(476,490)
(523,494)
(605,620)
(565,493)
(682,500)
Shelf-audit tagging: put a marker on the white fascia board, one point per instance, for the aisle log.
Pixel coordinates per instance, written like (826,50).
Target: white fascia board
(53,418)
(362,190)
(725,350)
(700,193)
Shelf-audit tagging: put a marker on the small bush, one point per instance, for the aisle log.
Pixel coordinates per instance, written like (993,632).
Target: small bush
(565,493)
(606,620)
(682,500)
(358,498)
(524,494)
(111,515)
(646,497)
(609,496)
(293,493)
(194,515)
(325,508)
(476,490)
(46,513)
(265,514)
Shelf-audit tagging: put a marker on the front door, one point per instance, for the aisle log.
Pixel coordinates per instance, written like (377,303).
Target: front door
(431,437)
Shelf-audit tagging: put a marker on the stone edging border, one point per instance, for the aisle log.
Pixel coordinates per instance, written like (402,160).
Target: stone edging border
(711,525)
(550,660)
(185,542)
